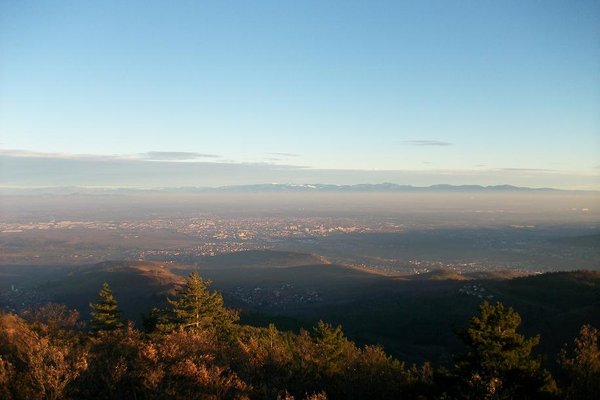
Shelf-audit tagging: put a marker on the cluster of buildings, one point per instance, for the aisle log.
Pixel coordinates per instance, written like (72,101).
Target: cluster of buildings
(477,291)
(284,295)
(212,227)
(16,299)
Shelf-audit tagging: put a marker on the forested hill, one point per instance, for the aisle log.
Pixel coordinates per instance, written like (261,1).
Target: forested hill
(195,348)
(413,319)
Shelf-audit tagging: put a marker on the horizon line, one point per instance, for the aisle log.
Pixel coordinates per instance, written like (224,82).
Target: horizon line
(306,187)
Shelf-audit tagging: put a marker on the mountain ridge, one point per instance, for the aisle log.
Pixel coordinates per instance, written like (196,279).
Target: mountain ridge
(385,187)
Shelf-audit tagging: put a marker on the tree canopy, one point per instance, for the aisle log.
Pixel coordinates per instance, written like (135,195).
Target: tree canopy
(582,370)
(47,355)
(498,362)
(106,315)
(195,307)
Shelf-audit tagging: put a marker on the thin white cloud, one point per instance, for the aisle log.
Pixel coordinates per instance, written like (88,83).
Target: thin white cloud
(426,143)
(28,169)
(284,154)
(148,156)
(39,154)
(175,155)
(528,169)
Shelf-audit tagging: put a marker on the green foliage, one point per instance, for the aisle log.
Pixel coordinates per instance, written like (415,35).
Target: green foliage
(376,375)
(327,362)
(263,358)
(498,363)
(106,315)
(330,343)
(195,307)
(158,321)
(582,371)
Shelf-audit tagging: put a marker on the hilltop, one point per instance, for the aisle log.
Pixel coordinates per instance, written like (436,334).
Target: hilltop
(405,314)
(449,275)
(257,259)
(140,285)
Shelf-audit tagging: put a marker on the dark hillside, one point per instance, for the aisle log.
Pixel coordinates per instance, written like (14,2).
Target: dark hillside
(413,318)
(553,304)
(416,319)
(260,259)
(137,285)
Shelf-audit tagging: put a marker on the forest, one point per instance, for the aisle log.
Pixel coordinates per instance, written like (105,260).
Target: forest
(195,348)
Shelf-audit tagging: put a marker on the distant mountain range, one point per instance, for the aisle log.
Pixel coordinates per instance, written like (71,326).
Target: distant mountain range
(379,187)
(283,187)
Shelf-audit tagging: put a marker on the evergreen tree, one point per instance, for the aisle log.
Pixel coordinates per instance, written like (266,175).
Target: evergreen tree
(331,343)
(582,371)
(106,315)
(498,363)
(196,307)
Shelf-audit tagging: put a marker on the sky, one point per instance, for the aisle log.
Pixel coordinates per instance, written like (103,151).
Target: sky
(213,93)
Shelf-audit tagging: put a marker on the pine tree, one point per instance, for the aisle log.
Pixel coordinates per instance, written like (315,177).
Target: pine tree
(106,315)
(196,307)
(498,363)
(330,343)
(582,371)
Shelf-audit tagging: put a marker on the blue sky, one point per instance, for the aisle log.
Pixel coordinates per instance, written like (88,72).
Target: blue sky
(335,91)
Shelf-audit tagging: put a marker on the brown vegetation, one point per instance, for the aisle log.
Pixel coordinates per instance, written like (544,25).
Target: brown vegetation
(46,355)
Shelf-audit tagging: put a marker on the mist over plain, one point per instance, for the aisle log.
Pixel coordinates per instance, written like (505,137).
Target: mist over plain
(441,208)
